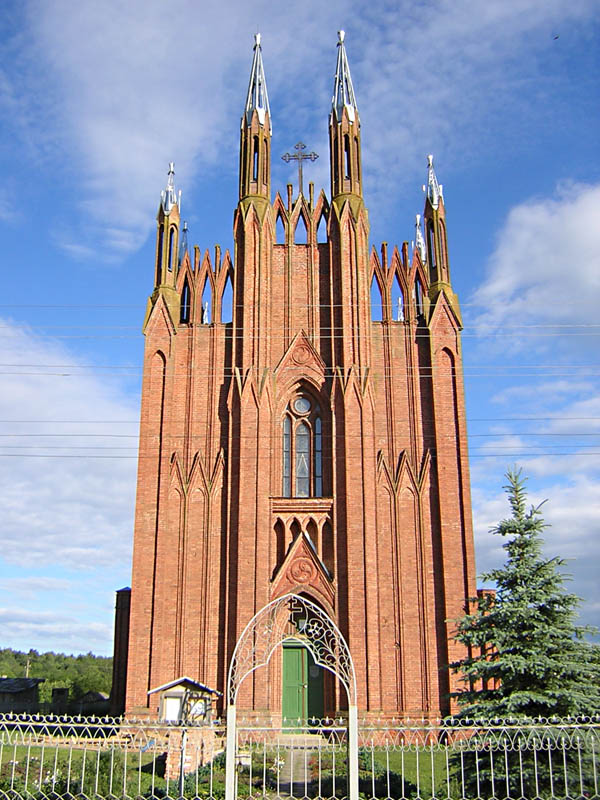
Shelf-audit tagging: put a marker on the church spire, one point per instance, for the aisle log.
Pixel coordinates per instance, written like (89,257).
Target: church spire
(257,98)
(343,91)
(255,133)
(167,236)
(344,131)
(434,218)
(168,196)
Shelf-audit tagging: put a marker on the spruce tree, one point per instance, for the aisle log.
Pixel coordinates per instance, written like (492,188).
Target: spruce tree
(527,656)
(527,659)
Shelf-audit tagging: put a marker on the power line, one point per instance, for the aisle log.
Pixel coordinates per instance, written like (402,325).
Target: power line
(483,326)
(330,369)
(174,420)
(424,371)
(252,458)
(141,306)
(244,335)
(185,435)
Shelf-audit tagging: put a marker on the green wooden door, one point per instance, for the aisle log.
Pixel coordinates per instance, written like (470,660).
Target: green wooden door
(302,684)
(293,701)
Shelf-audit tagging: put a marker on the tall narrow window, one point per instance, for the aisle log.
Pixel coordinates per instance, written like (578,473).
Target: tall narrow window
(347,154)
(357,151)
(443,250)
(302,460)
(184,311)
(336,171)
(266,166)
(171,249)
(161,236)
(287,457)
(418,297)
(244,166)
(431,250)
(302,463)
(255,160)
(318,459)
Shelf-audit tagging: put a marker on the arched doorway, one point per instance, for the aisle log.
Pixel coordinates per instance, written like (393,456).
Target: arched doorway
(308,690)
(292,622)
(302,690)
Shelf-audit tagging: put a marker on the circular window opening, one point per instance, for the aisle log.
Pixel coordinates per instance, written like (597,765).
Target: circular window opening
(302,405)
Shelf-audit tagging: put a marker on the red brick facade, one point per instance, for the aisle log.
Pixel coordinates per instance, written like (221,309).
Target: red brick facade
(383,541)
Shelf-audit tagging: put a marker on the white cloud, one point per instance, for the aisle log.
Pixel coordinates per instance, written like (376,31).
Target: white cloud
(117,90)
(27,586)
(545,268)
(544,273)
(64,509)
(53,631)
(547,391)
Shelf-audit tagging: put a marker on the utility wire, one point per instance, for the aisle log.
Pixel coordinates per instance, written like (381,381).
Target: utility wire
(183,435)
(252,459)
(176,420)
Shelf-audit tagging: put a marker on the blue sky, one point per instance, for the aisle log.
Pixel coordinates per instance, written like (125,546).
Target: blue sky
(96,99)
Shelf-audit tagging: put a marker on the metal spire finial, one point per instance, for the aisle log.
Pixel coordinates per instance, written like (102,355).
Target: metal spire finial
(343,91)
(419,240)
(169,196)
(257,98)
(183,245)
(434,190)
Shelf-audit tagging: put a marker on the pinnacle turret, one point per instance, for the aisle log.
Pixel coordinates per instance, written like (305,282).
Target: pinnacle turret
(183,244)
(257,98)
(419,240)
(168,196)
(255,133)
(434,189)
(344,132)
(343,91)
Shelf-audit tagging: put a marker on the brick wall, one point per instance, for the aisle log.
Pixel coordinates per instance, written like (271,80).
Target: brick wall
(213,536)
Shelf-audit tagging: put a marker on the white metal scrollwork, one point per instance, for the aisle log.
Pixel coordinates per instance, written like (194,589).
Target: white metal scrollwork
(291,618)
(295,618)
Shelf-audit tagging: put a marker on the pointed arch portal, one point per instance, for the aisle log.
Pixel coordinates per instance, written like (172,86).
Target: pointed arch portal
(261,637)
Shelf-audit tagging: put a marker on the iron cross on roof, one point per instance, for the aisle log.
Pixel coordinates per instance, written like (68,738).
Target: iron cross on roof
(300,157)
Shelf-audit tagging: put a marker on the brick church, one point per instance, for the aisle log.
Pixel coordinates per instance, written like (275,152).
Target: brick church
(302,430)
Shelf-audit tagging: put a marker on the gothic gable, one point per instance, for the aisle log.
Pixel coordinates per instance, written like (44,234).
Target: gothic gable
(159,316)
(301,359)
(303,571)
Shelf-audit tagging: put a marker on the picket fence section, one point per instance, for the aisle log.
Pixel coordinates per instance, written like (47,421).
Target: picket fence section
(67,757)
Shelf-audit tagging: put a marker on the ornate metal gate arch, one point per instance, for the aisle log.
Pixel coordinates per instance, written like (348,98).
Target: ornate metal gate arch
(265,632)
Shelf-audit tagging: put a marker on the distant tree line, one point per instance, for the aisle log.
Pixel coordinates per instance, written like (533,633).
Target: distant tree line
(80,674)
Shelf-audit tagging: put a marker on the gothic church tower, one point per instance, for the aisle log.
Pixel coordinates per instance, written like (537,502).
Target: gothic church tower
(302,440)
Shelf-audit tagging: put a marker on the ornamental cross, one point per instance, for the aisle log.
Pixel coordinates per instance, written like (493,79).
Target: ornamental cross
(300,157)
